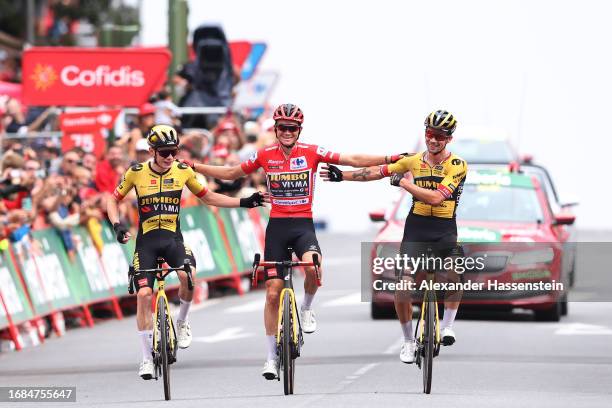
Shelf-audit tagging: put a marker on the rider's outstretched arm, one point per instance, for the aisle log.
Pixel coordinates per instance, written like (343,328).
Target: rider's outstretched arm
(367,160)
(219,172)
(332,173)
(364,174)
(220,200)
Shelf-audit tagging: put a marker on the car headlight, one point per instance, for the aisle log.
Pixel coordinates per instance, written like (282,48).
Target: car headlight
(544,255)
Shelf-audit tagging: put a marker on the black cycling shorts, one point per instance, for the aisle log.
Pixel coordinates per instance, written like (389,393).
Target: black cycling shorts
(297,233)
(421,233)
(154,245)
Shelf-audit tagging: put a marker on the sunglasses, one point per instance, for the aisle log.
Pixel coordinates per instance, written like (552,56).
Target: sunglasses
(167,153)
(288,128)
(72,161)
(440,137)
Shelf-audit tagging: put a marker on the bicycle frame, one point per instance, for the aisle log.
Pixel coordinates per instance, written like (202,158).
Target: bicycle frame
(287,289)
(426,295)
(162,293)
(160,276)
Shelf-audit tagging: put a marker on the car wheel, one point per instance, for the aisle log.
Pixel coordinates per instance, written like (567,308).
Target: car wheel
(552,314)
(564,305)
(379,312)
(572,273)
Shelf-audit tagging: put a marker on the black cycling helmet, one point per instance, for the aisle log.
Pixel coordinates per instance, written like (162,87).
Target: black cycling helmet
(162,136)
(441,120)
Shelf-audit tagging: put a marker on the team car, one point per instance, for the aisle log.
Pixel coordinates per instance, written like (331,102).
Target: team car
(505,218)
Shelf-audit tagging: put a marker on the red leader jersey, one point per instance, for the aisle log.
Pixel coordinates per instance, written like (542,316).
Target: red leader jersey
(291,180)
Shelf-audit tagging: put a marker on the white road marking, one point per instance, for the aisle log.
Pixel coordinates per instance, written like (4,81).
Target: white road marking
(231,333)
(348,300)
(348,380)
(365,369)
(582,329)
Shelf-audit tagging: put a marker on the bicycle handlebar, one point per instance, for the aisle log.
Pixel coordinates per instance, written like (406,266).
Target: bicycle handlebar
(165,272)
(258,263)
(272,264)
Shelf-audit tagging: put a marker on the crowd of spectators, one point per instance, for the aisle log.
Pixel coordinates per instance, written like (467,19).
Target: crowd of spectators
(43,186)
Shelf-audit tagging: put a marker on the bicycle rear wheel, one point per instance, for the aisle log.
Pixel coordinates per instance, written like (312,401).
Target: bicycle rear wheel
(164,344)
(429,338)
(288,361)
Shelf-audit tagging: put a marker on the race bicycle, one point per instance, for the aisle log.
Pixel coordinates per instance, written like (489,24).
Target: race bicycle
(164,333)
(289,337)
(427,333)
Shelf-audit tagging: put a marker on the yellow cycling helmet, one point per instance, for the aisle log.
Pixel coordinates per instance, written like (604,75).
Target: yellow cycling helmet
(441,120)
(162,136)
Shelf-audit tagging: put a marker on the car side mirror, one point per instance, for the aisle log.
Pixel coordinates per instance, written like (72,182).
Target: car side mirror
(569,201)
(377,215)
(564,219)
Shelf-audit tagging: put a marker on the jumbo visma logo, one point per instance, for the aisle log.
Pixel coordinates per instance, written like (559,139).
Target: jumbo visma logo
(155,205)
(289,180)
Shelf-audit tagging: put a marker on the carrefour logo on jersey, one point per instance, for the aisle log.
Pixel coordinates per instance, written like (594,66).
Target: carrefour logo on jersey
(298,163)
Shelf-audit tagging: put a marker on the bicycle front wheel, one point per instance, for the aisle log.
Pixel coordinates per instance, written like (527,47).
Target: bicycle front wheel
(288,361)
(164,351)
(429,338)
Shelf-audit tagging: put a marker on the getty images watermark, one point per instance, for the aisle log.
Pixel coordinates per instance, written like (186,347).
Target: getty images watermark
(480,270)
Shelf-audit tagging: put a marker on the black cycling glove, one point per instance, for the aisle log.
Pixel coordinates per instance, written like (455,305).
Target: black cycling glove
(335,174)
(395,179)
(254,200)
(120,231)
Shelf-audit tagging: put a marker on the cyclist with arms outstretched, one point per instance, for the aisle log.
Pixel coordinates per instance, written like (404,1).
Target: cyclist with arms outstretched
(291,169)
(159,184)
(438,182)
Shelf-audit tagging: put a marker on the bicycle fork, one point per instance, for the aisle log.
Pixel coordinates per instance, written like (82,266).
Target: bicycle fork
(171,338)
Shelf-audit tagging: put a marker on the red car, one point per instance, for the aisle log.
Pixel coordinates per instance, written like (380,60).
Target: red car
(505,220)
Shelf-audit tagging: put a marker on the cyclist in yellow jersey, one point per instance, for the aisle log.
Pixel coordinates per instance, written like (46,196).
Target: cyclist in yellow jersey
(159,183)
(438,177)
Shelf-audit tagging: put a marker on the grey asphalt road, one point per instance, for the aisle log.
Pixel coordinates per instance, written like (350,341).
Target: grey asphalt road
(501,360)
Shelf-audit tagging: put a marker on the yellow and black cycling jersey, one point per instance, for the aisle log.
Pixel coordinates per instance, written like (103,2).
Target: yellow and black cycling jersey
(447,177)
(159,194)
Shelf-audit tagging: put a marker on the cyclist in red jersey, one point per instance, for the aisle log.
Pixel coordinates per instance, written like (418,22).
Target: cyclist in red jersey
(291,169)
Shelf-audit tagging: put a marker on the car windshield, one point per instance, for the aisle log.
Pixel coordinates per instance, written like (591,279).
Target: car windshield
(490,203)
(479,151)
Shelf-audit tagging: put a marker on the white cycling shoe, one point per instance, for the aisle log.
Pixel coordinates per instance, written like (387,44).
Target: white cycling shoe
(309,323)
(184,335)
(146,370)
(407,352)
(270,370)
(448,336)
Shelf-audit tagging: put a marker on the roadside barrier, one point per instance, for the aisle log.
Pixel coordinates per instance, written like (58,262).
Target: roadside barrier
(39,279)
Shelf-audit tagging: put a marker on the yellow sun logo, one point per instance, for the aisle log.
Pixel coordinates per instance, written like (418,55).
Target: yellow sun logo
(43,77)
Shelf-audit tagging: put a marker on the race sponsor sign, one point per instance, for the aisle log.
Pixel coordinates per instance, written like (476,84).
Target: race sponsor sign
(12,295)
(255,92)
(92,76)
(86,129)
